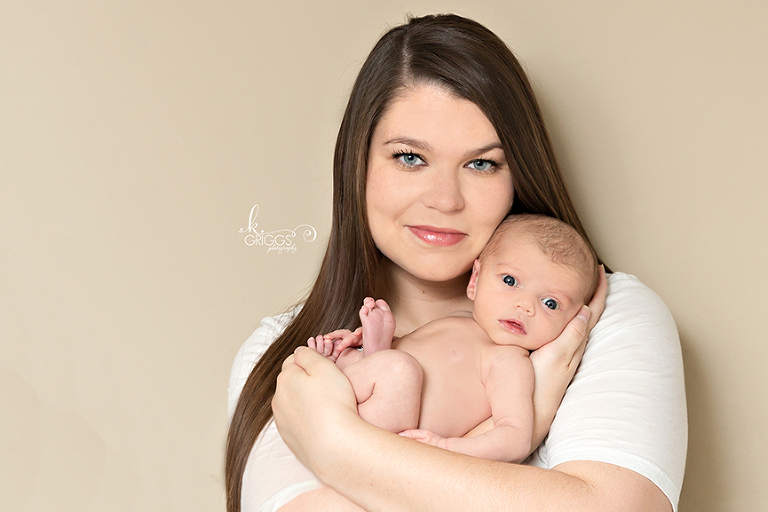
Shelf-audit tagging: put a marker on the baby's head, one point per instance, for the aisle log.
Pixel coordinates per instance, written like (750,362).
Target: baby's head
(531,279)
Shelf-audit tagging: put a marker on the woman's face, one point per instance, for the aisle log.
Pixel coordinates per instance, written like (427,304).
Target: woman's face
(438,183)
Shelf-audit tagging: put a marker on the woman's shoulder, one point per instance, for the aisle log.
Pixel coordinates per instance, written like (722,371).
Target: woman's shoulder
(630,303)
(624,287)
(635,330)
(269,329)
(254,347)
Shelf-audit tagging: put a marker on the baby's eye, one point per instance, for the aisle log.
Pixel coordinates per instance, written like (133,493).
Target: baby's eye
(551,303)
(410,159)
(482,165)
(509,280)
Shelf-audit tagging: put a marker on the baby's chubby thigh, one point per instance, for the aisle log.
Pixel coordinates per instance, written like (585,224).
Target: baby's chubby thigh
(387,385)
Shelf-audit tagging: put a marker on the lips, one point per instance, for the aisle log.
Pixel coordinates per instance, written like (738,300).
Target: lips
(514,326)
(437,236)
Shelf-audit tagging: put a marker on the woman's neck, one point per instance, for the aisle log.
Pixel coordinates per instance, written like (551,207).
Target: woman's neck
(415,302)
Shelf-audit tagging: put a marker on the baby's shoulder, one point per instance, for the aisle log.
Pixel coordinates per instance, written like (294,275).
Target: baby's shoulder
(506,362)
(507,354)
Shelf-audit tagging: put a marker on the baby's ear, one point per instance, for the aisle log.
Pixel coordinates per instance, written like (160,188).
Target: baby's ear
(472,286)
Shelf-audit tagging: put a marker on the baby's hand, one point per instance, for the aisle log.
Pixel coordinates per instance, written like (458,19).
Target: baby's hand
(321,345)
(334,343)
(426,436)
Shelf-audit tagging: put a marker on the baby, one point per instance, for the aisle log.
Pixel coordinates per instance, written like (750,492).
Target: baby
(453,373)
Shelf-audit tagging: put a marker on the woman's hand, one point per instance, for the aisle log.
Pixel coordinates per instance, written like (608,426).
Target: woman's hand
(312,402)
(555,363)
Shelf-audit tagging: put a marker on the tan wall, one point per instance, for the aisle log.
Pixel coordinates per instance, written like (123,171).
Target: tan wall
(134,140)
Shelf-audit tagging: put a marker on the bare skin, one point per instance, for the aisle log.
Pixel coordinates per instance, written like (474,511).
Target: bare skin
(463,371)
(375,469)
(448,376)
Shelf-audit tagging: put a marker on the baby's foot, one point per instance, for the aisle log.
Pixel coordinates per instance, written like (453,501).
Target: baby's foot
(378,326)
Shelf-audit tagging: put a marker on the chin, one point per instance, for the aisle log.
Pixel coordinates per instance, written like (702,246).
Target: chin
(439,273)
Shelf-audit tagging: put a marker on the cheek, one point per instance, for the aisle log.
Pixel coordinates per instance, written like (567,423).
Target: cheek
(378,196)
(494,200)
(386,198)
(384,190)
(486,305)
(491,205)
(506,195)
(554,328)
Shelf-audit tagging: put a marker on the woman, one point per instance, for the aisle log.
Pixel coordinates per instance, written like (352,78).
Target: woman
(441,138)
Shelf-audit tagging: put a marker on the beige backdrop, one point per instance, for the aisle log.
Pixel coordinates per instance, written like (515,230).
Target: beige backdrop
(135,139)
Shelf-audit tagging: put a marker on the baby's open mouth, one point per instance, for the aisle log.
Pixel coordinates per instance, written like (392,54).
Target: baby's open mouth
(513,325)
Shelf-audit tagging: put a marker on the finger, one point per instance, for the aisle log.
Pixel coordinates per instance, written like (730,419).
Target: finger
(338,333)
(318,344)
(412,433)
(574,336)
(580,323)
(336,351)
(346,342)
(310,361)
(327,347)
(597,303)
(289,361)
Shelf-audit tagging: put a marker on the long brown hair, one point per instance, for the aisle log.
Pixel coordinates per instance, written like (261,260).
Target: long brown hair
(474,64)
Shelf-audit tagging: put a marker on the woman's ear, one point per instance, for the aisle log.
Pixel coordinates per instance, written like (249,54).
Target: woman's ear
(472,286)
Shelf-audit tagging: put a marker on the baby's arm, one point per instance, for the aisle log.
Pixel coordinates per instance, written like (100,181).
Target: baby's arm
(509,388)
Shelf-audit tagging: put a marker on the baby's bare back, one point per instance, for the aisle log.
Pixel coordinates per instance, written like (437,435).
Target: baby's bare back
(455,354)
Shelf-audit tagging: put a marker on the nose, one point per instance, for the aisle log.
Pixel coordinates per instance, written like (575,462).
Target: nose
(525,304)
(444,192)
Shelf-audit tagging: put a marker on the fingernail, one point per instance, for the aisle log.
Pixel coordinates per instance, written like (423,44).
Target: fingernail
(584,313)
(298,349)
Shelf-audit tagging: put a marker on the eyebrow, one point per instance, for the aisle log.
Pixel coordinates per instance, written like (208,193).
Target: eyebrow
(409,142)
(424,146)
(492,145)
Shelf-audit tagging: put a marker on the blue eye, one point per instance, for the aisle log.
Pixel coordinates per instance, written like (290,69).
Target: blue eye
(482,164)
(551,303)
(509,280)
(409,159)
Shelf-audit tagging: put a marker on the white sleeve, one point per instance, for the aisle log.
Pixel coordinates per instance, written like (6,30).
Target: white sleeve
(273,476)
(626,404)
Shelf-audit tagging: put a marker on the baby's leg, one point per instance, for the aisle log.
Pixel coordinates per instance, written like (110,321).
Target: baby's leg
(388,389)
(378,326)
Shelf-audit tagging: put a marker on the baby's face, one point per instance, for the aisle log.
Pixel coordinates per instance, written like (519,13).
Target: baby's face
(523,298)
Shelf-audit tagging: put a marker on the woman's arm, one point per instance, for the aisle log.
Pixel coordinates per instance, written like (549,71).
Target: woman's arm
(626,408)
(383,471)
(555,363)
(323,499)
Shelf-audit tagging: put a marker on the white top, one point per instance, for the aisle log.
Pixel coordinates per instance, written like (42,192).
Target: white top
(625,406)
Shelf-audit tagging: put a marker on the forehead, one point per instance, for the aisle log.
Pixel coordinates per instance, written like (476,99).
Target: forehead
(434,114)
(524,259)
